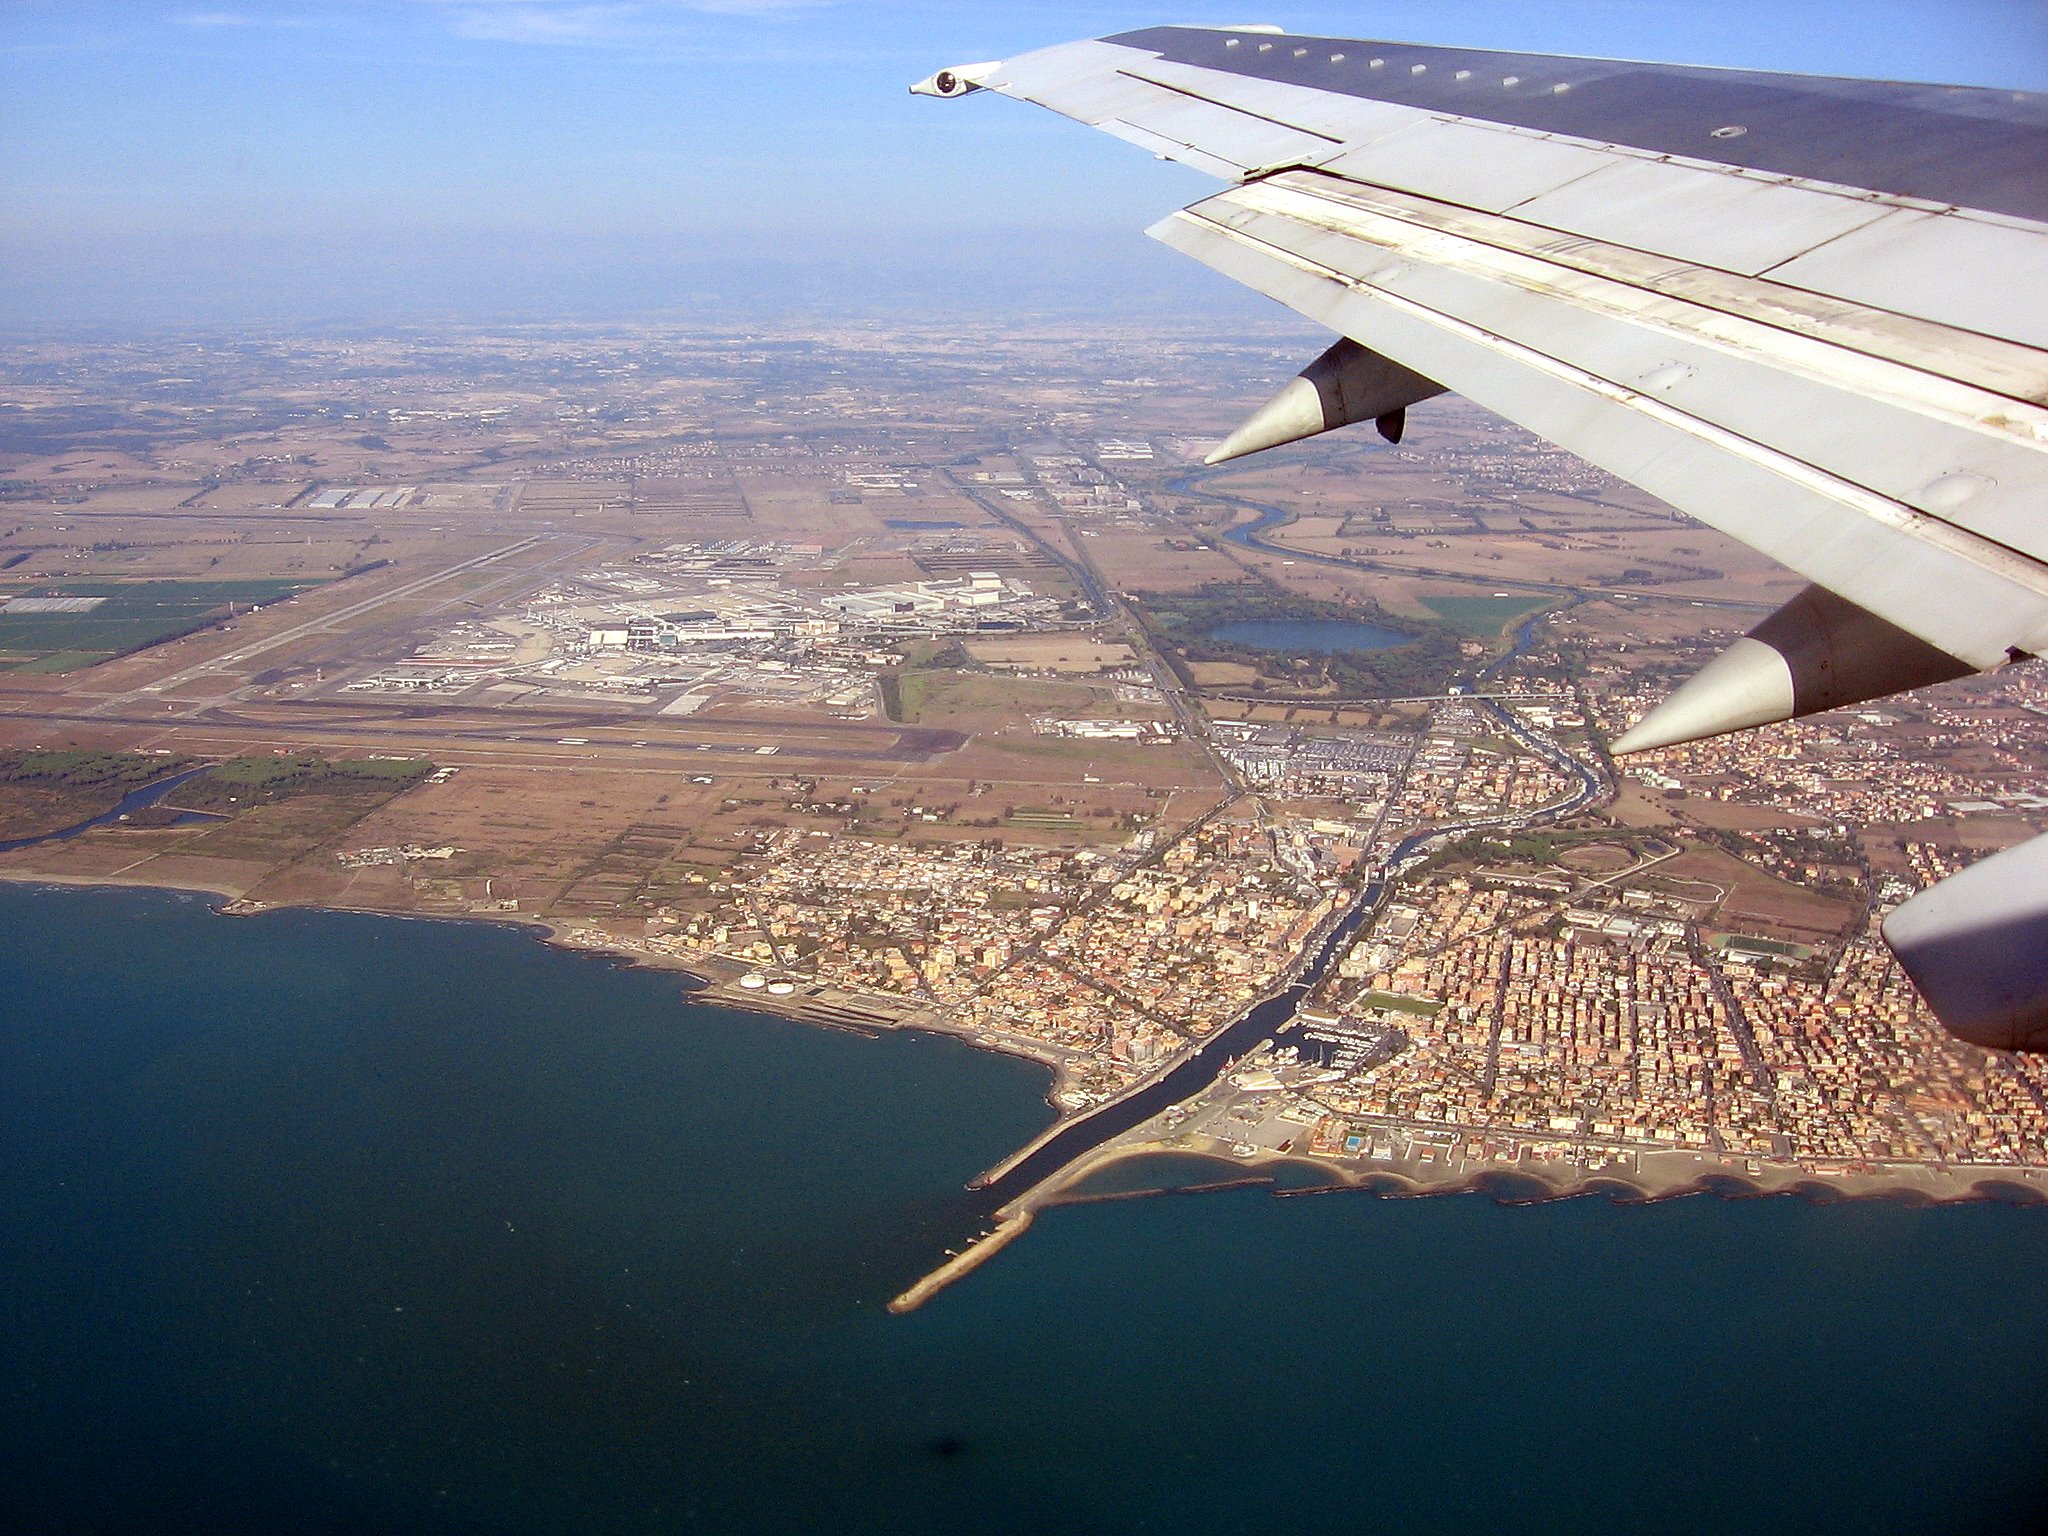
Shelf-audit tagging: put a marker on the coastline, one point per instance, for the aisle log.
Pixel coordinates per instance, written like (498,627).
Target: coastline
(1674,1176)
(853,1013)
(1657,1176)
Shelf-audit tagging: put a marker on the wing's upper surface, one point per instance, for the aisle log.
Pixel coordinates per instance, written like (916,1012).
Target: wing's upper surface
(1812,313)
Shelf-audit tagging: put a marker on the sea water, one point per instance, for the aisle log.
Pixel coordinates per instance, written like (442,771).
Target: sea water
(317,1222)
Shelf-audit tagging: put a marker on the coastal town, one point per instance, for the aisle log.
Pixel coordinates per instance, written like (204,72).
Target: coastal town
(1029,729)
(1534,1010)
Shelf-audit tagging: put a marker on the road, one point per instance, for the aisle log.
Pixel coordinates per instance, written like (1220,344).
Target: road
(1187,717)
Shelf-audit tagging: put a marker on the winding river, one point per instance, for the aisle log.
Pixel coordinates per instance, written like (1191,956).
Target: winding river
(135,800)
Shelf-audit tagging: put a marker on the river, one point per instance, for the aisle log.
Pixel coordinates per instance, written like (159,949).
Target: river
(135,800)
(1186,1078)
(1265,1019)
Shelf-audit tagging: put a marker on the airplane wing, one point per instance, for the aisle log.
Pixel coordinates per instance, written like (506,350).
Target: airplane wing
(1812,313)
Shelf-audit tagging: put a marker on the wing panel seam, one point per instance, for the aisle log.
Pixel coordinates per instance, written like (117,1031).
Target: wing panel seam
(1989,554)
(1609,262)
(1224,106)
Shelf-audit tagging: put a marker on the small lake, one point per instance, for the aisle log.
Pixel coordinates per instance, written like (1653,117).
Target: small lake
(1323,637)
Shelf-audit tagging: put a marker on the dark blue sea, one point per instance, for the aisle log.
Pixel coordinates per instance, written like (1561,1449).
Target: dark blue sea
(327,1223)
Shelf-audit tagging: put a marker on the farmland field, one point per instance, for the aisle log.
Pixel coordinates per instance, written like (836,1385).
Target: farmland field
(1487,615)
(129,616)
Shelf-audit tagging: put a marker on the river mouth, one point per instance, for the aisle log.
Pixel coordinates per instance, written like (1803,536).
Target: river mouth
(1319,637)
(131,805)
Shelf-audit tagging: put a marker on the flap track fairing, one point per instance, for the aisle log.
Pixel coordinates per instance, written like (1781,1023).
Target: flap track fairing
(1820,651)
(1348,383)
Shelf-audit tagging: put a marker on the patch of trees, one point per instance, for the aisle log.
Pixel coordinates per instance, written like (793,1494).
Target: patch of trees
(891,685)
(1521,847)
(119,771)
(246,781)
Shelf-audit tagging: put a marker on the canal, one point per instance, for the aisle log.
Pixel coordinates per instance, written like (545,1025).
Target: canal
(1266,1019)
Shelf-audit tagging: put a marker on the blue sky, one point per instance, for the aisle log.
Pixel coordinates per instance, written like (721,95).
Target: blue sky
(393,156)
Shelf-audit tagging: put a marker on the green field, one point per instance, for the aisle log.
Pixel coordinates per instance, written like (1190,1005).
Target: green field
(948,698)
(135,614)
(1775,948)
(1044,821)
(246,781)
(1393,1002)
(1486,615)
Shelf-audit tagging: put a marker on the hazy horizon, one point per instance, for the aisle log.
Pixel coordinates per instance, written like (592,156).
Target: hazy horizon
(344,161)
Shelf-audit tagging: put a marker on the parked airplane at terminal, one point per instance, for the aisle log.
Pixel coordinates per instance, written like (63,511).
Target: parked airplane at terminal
(1810,312)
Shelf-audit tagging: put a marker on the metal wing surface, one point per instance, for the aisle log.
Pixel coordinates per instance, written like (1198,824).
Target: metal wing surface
(1812,313)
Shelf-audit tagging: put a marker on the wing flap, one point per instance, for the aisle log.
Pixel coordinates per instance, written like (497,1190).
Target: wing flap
(1948,364)
(1915,439)
(1985,273)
